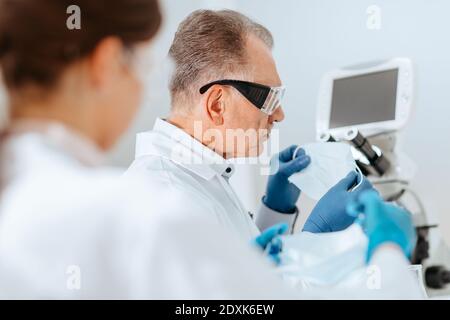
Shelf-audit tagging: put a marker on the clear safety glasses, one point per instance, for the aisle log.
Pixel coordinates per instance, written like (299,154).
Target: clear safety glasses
(265,98)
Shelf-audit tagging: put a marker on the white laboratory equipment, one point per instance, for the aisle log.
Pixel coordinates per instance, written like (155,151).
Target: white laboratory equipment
(367,105)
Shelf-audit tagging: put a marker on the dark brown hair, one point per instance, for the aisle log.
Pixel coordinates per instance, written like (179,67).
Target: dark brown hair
(36,45)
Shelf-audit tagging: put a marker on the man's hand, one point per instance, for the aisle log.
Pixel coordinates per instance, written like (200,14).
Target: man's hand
(281,195)
(330,213)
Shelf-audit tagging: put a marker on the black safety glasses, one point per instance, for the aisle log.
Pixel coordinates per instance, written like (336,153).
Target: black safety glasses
(265,98)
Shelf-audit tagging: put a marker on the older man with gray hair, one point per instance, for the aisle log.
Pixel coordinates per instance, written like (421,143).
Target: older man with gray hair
(225,99)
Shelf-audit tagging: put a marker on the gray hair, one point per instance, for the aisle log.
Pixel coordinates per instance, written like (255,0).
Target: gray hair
(209,45)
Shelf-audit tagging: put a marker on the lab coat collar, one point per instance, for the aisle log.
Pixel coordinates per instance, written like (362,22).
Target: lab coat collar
(173,143)
(61,137)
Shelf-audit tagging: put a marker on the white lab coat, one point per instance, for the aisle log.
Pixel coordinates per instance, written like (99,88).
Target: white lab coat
(177,161)
(70,229)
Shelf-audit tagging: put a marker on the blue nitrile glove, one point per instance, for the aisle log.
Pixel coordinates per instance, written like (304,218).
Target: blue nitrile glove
(330,213)
(270,242)
(383,223)
(281,195)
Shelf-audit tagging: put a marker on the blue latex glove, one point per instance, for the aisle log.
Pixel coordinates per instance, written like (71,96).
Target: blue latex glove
(330,213)
(270,242)
(281,195)
(383,223)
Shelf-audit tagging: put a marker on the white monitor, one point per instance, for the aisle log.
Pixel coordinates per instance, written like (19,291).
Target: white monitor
(373,97)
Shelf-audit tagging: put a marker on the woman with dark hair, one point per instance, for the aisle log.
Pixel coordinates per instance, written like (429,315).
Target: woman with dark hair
(70,227)
(83,79)
(71,93)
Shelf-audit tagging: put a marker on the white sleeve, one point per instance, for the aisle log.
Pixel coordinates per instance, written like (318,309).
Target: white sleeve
(397,281)
(179,255)
(267,217)
(388,277)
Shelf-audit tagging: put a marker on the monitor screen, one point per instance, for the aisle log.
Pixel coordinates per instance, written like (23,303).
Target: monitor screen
(364,99)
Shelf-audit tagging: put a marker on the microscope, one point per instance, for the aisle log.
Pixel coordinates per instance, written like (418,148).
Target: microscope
(367,105)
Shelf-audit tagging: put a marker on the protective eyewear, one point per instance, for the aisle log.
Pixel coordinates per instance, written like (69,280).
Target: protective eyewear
(265,98)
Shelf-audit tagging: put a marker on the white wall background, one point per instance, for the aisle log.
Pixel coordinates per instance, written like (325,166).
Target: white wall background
(314,36)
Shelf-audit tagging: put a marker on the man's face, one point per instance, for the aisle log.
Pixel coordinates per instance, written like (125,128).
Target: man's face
(250,126)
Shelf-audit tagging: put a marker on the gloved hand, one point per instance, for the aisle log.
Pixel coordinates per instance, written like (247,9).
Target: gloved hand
(281,195)
(330,213)
(383,223)
(269,241)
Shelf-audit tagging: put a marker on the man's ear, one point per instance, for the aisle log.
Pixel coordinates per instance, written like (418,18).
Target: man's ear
(106,61)
(215,105)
